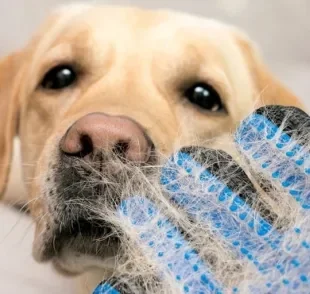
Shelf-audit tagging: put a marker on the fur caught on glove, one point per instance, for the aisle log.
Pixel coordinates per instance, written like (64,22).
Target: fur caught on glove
(218,226)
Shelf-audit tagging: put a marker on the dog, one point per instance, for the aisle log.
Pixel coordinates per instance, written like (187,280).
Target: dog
(131,82)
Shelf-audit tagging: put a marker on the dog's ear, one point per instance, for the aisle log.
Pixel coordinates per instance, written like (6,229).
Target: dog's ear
(9,107)
(270,91)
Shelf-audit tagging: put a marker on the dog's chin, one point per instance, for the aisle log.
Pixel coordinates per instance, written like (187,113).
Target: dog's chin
(72,263)
(78,249)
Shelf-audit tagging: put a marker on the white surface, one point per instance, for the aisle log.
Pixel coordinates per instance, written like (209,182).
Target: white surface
(281,27)
(19,273)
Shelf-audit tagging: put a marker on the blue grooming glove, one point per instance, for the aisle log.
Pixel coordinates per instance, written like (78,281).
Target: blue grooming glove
(242,214)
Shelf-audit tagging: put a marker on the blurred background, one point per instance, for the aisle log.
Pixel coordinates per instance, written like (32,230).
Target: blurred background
(280,27)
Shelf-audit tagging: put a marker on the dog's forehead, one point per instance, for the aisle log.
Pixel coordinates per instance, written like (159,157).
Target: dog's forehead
(124,23)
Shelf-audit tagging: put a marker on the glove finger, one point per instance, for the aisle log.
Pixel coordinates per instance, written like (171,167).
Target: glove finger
(275,141)
(179,265)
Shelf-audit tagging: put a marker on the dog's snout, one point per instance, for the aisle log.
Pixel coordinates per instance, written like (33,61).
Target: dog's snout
(98,131)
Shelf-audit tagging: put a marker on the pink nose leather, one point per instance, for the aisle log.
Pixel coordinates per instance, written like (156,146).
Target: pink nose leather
(97,131)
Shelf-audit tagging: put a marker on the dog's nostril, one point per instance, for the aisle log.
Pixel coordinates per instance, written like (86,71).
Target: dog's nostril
(87,145)
(121,148)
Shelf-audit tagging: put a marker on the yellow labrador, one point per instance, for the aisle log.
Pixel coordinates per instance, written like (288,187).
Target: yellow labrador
(127,81)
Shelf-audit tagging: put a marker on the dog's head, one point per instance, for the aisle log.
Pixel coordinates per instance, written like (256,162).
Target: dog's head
(101,92)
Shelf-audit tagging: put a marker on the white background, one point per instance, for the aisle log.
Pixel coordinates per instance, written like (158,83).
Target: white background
(280,27)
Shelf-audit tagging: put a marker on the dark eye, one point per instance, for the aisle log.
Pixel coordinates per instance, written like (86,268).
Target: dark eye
(59,77)
(205,97)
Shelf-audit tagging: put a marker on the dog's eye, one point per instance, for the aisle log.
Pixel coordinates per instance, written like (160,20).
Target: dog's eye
(59,77)
(205,97)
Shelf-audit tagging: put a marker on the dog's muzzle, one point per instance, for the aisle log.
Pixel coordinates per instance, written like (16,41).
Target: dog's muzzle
(100,157)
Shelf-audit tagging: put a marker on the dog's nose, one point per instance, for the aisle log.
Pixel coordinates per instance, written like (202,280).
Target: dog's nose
(98,131)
